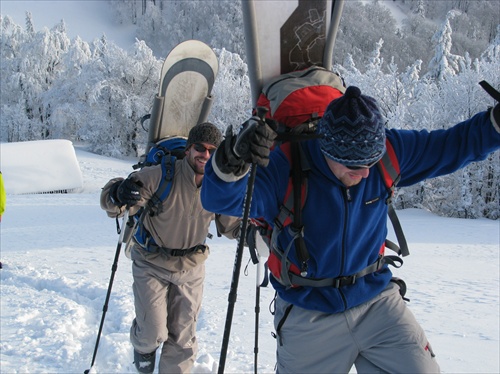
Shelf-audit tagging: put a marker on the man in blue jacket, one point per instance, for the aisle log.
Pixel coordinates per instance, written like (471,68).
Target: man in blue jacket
(356,320)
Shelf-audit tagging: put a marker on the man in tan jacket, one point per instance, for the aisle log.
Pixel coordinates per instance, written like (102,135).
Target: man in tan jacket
(169,271)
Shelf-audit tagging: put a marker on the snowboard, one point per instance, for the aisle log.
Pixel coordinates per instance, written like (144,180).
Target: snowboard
(288,35)
(184,95)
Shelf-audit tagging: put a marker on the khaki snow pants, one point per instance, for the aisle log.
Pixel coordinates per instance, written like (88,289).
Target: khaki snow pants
(167,305)
(379,336)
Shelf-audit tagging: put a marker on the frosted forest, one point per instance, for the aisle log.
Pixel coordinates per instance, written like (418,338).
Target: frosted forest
(96,93)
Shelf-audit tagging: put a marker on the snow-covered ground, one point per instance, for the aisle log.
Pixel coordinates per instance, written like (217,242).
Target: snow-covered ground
(57,252)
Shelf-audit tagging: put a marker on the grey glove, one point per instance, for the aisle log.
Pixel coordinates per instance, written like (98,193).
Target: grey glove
(253,143)
(125,192)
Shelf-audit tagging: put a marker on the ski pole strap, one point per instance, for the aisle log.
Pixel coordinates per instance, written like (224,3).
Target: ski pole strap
(252,231)
(297,280)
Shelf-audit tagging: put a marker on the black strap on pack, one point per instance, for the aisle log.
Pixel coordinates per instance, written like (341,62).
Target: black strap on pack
(298,177)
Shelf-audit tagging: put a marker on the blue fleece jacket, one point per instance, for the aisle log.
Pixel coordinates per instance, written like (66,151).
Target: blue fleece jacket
(344,229)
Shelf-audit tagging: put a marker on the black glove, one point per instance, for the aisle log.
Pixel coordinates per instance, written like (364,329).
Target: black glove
(125,192)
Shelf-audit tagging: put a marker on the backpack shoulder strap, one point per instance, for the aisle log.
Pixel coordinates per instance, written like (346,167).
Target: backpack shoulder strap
(168,169)
(389,169)
(141,235)
(295,197)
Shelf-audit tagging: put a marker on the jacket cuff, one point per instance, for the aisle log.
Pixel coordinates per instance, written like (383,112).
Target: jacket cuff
(495,117)
(228,177)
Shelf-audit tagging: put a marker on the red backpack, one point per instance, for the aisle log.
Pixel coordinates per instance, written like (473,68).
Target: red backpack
(296,101)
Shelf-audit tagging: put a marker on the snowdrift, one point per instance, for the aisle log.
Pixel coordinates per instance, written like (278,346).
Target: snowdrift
(42,166)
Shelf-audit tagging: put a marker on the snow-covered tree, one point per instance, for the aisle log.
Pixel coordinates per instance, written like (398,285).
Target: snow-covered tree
(122,90)
(444,63)
(97,93)
(420,9)
(231,92)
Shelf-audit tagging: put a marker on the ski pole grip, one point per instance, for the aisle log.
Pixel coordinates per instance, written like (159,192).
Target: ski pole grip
(261,113)
(241,147)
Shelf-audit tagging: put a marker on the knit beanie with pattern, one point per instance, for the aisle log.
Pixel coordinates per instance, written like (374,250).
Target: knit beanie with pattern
(353,129)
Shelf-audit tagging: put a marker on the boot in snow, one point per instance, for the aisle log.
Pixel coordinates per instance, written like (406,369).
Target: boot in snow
(145,363)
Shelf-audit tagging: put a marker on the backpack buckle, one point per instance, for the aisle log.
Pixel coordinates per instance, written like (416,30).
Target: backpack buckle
(344,281)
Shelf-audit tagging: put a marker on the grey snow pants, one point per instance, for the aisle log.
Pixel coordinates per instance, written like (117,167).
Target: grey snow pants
(167,305)
(379,336)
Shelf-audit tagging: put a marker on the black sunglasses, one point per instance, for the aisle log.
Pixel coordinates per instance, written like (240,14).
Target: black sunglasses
(359,167)
(202,149)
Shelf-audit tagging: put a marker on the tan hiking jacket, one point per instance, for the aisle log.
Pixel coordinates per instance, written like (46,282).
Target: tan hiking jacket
(181,222)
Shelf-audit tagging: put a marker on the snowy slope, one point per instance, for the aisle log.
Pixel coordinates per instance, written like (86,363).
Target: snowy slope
(88,19)
(57,252)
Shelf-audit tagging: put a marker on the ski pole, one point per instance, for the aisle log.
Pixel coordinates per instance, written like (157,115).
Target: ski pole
(261,112)
(236,270)
(256,341)
(262,281)
(113,271)
(254,241)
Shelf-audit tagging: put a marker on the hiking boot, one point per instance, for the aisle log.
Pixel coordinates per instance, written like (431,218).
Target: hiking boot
(145,363)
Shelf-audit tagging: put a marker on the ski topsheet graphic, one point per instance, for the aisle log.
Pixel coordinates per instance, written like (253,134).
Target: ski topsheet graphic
(288,35)
(187,77)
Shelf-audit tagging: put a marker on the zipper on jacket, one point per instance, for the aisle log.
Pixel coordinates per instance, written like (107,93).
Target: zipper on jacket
(346,195)
(195,198)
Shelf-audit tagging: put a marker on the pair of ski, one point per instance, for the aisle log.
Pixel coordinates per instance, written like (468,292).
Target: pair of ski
(281,37)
